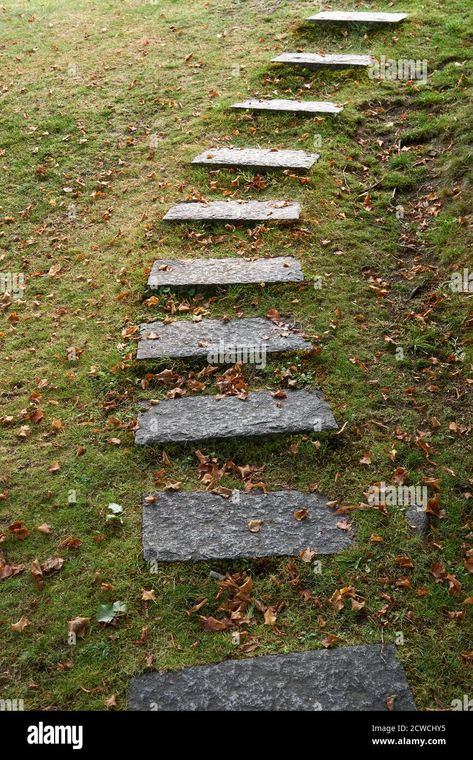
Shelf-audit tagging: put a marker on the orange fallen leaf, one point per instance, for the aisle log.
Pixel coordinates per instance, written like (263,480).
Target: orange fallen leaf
(21,625)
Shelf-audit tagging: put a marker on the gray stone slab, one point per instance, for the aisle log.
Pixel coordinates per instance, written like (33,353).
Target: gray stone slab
(217,528)
(290,106)
(219,340)
(257,159)
(317,61)
(231,271)
(418,520)
(234,211)
(364,17)
(359,678)
(202,417)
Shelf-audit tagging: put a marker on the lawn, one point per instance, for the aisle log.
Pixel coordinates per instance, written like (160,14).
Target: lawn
(103,106)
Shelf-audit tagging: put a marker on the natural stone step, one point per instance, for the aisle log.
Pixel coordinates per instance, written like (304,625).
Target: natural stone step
(222,342)
(194,272)
(234,211)
(257,159)
(203,417)
(360,16)
(218,528)
(360,678)
(316,61)
(290,106)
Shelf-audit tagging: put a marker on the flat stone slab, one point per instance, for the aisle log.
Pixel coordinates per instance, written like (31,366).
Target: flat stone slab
(360,16)
(202,417)
(231,271)
(234,211)
(316,61)
(257,159)
(179,527)
(360,678)
(246,340)
(290,106)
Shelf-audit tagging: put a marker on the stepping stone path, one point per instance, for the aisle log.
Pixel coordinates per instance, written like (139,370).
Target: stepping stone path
(191,526)
(316,61)
(202,417)
(184,338)
(184,273)
(351,678)
(234,211)
(257,159)
(360,16)
(244,526)
(290,106)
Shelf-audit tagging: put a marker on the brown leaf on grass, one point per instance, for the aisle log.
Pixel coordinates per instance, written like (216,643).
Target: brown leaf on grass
(329,641)
(468,600)
(433,505)
(44,528)
(400,475)
(467,657)
(366,458)
(301,514)
(213,624)
(54,467)
(307,555)
(254,526)
(111,702)
(422,591)
(273,315)
(148,596)
(375,538)
(454,585)
(51,565)
(404,562)
(21,625)
(71,542)
(37,572)
(78,626)
(270,616)
(9,571)
(222,491)
(438,571)
(19,529)
(172,485)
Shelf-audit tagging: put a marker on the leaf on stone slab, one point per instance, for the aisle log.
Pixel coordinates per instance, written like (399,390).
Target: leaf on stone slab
(254,526)
(301,514)
(307,555)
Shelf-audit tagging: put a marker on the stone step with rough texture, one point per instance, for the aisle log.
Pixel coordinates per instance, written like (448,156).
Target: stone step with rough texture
(194,272)
(316,61)
(360,678)
(257,158)
(364,17)
(215,338)
(234,211)
(203,417)
(219,528)
(290,106)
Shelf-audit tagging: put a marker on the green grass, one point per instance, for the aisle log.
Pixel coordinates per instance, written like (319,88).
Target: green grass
(80,137)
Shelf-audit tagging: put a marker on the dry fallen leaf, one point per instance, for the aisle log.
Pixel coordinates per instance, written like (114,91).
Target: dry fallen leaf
(307,555)
(148,596)
(269,616)
(21,625)
(254,526)
(301,514)
(78,626)
(329,641)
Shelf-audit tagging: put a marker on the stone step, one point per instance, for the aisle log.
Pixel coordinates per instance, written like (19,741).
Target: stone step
(290,106)
(316,61)
(234,211)
(257,159)
(218,528)
(219,340)
(200,418)
(359,16)
(360,678)
(183,273)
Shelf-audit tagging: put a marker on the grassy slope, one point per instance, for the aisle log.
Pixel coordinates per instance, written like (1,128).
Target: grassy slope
(91,133)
